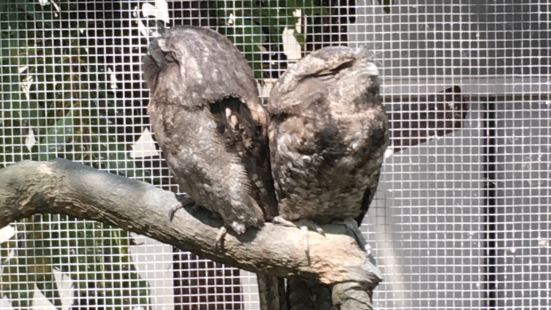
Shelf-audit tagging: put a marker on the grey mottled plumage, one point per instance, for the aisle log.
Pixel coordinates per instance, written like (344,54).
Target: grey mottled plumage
(210,124)
(328,133)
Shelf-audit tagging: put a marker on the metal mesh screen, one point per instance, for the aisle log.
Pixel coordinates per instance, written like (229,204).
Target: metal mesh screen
(461,218)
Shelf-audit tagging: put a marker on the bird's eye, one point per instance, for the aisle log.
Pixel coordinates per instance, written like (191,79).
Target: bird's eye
(325,73)
(326,76)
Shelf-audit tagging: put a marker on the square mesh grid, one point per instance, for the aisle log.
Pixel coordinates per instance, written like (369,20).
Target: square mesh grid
(461,218)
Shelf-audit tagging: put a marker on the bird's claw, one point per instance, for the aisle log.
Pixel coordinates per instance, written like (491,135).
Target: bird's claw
(305,229)
(279,220)
(309,225)
(319,230)
(172,211)
(185,201)
(305,226)
(219,241)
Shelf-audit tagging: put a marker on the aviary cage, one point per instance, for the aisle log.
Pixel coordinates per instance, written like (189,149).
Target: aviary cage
(461,219)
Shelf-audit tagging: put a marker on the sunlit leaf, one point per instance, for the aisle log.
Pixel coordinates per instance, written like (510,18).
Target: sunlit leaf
(299,37)
(291,46)
(159,10)
(47,285)
(6,233)
(144,146)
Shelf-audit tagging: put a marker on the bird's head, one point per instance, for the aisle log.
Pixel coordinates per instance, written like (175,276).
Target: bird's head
(358,82)
(155,61)
(349,72)
(169,48)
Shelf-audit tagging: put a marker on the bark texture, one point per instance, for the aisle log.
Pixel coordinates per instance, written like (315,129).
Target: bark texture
(63,187)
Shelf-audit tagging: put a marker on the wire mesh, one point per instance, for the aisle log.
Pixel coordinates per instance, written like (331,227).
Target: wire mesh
(460,221)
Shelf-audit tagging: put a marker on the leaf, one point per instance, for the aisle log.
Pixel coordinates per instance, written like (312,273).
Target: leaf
(110,271)
(17,285)
(61,127)
(57,137)
(159,10)
(144,146)
(30,140)
(387,5)
(299,37)
(249,37)
(37,251)
(47,285)
(291,47)
(96,257)
(7,248)
(30,265)
(310,8)
(6,233)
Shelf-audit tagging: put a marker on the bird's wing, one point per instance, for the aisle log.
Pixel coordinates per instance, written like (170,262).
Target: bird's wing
(368,196)
(244,136)
(213,76)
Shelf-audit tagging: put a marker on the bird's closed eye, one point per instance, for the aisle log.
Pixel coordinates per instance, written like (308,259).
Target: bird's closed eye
(332,72)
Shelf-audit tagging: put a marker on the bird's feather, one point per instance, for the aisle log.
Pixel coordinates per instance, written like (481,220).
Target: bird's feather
(328,133)
(208,120)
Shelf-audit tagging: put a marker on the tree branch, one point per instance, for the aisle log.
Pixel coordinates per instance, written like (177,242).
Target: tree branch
(64,187)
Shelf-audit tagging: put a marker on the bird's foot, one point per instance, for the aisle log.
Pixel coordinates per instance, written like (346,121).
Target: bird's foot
(185,201)
(305,229)
(305,226)
(279,220)
(219,242)
(302,224)
(310,225)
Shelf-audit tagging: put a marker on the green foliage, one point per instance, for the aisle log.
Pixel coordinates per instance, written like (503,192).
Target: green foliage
(69,106)
(252,25)
(72,113)
(50,85)
(94,256)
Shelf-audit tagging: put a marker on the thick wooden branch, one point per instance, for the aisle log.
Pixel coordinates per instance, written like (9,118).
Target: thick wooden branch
(68,188)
